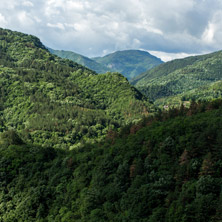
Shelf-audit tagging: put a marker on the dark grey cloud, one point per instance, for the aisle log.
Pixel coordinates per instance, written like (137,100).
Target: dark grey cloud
(95,27)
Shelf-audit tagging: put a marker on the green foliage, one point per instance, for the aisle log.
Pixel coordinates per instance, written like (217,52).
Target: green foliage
(56,102)
(10,138)
(207,92)
(197,77)
(130,63)
(165,168)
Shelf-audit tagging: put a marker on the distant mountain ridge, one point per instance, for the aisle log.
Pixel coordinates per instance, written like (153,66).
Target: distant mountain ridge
(130,63)
(181,77)
(80,59)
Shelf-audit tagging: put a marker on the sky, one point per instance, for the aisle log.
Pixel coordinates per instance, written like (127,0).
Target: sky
(168,29)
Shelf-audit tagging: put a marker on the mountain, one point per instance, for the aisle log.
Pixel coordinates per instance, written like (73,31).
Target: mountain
(85,61)
(182,79)
(59,103)
(166,168)
(77,146)
(206,92)
(129,62)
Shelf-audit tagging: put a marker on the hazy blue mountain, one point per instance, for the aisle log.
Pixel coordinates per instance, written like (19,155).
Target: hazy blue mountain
(83,60)
(129,62)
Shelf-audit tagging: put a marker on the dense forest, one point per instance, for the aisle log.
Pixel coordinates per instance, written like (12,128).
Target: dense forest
(192,78)
(78,146)
(166,168)
(59,103)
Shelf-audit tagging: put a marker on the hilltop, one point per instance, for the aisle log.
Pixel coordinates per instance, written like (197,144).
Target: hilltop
(59,103)
(80,59)
(129,62)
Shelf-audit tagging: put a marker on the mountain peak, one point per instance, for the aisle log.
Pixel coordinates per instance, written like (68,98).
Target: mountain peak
(129,62)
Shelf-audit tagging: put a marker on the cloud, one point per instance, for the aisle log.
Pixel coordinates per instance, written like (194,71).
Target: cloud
(57,25)
(27,4)
(3,22)
(213,30)
(95,27)
(170,56)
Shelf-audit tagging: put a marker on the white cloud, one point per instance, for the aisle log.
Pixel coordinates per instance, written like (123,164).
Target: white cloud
(57,25)
(209,33)
(71,5)
(24,18)
(213,32)
(3,22)
(27,4)
(164,56)
(8,5)
(92,27)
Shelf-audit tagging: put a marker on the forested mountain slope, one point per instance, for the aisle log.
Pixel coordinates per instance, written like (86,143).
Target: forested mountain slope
(206,92)
(56,102)
(166,168)
(129,62)
(181,77)
(83,60)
